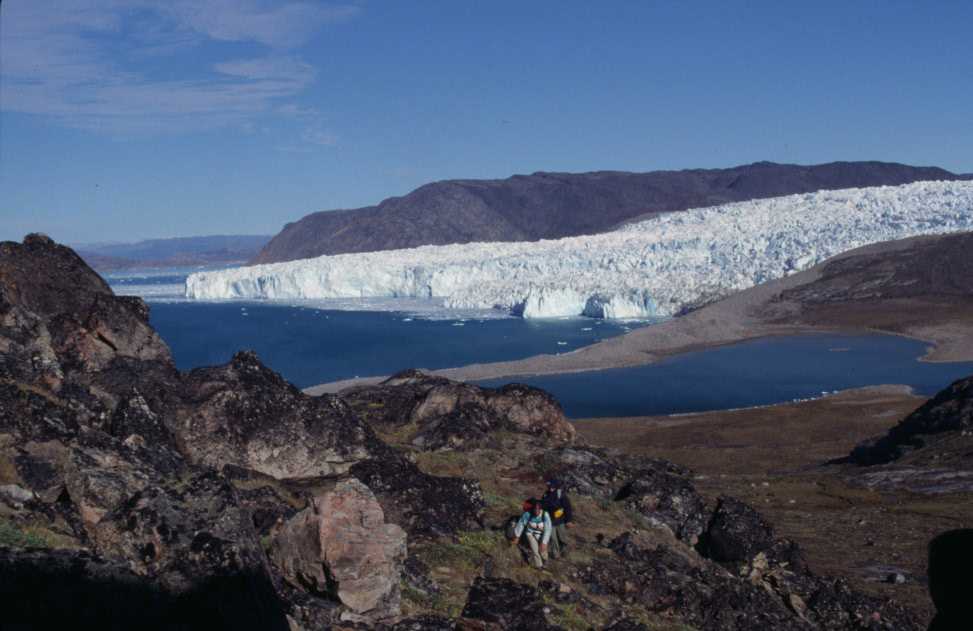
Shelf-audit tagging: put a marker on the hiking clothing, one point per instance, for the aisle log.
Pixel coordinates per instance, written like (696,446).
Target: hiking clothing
(537,527)
(559,541)
(556,503)
(535,555)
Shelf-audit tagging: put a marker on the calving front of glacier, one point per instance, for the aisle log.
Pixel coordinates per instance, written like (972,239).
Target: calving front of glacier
(651,268)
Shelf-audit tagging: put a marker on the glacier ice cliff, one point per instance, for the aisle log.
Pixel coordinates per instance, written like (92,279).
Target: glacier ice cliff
(651,268)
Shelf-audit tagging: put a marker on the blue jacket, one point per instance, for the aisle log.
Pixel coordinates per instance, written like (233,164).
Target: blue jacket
(537,527)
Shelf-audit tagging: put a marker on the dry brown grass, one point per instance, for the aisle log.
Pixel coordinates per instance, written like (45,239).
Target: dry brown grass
(772,458)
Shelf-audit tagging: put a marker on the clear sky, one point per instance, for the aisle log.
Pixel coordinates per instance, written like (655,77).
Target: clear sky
(129,119)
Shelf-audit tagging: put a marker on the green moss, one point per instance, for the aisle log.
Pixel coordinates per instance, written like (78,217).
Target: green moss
(483,541)
(569,618)
(25,536)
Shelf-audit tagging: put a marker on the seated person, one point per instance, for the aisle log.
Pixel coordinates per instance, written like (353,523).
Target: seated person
(533,532)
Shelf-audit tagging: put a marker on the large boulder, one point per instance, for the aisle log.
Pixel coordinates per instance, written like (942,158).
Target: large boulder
(342,547)
(666,497)
(737,533)
(247,415)
(452,414)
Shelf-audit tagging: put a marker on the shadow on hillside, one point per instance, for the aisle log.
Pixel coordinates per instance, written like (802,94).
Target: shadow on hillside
(950,564)
(61,589)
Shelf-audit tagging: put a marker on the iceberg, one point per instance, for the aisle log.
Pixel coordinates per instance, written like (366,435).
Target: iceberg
(652,268)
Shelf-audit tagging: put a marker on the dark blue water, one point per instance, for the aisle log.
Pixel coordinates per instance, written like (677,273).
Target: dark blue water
(309,346)
(760,372)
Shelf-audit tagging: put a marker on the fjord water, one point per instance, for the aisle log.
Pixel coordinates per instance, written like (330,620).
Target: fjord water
(758,372)
(310,345)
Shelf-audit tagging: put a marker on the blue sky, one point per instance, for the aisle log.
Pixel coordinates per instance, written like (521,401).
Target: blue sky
(129,119)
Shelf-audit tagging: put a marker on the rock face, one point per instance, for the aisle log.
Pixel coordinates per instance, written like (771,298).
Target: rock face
(165,483)
(554,205)
(737,534)
(950,411)
(342,546)
(664,495)
(499,603)
(660,491)
(452,415)
(763,596)
(308,436)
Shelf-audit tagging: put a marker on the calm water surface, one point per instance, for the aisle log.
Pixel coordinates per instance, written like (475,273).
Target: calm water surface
(759,372)
(312,345)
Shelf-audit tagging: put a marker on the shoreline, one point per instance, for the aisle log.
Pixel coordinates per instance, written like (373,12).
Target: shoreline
(946,349)
(939,319)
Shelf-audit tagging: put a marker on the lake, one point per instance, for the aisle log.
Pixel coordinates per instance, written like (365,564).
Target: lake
(758,372)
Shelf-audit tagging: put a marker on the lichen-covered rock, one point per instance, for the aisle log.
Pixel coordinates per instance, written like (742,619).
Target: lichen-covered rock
(423,504)
(453,414)
(245,414)
(496,604)
(667,498)
(183,534)
(737,533)
(464,427)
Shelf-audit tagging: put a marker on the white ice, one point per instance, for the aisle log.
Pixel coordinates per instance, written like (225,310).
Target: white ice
(651,268)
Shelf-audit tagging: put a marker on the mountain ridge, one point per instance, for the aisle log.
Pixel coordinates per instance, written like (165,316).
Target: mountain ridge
(168,252)
(550,205)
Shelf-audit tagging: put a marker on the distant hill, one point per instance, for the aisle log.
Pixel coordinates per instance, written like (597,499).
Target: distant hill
(555,205)
(172,252)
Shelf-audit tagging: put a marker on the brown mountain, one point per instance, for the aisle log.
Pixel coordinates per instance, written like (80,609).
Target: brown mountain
(555,205)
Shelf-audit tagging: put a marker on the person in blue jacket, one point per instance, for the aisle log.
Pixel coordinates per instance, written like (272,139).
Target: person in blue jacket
(533,531)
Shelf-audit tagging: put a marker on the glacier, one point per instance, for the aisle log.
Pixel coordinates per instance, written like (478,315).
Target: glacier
(652,268)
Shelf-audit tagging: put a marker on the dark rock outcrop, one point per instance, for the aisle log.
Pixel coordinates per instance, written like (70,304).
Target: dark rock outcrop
(554,205)
(495,604)
(107,449)
(666,498)
(225,416)
(453,415)
(949,412)
(658,490)
(705,596)
(423,504)
(737,534)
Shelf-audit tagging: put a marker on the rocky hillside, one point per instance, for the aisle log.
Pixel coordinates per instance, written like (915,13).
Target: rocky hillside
(929,451)
(554,205)
(136,496)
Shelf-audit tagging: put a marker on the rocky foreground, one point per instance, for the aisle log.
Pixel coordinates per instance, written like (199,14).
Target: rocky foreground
(133,495)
